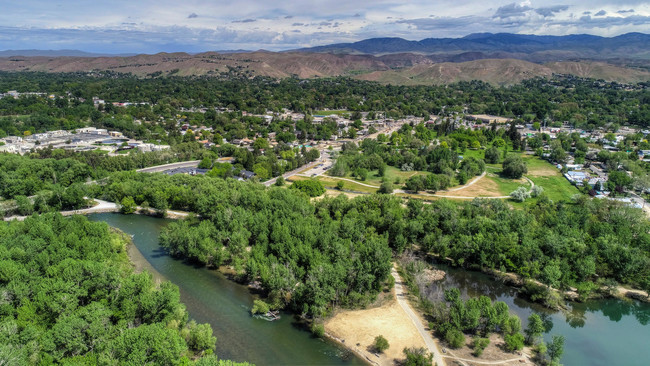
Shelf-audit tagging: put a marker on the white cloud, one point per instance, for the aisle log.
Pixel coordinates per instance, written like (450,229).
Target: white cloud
(197,25)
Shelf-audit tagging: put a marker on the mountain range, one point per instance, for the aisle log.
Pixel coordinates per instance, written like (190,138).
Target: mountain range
(495,58)
(634,45)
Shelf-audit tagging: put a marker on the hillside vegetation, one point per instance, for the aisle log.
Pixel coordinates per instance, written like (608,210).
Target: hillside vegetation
(402,69)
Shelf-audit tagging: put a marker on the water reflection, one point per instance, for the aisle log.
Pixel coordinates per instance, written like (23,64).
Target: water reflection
(598,332)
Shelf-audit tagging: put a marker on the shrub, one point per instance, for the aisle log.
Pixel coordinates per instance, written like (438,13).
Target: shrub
(127,206)
(312,188)
(455,338)
(381,343)
(479,345)
(318,330)
(340,185)
(537,191)
(260,307)
(514,342)
(417,357)
(492,155)
(280,181)
(520,194)
(514,166)
(386,187)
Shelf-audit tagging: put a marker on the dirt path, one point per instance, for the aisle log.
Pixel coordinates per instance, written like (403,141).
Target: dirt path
(102,206)
(353,181)
(468,184)
(518,359)
(401,294)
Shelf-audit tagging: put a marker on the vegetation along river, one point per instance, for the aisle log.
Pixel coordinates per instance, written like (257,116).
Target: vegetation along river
(598,332)
(602,332)
(212,298)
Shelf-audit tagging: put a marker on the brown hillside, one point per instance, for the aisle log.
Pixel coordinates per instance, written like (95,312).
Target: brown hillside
(401,69)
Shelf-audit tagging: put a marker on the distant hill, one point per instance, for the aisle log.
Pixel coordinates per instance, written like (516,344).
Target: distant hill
(530,47)
(496,58)
(56,53)
(405,68)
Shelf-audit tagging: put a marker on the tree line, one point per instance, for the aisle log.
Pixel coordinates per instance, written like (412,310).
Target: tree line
(70,296)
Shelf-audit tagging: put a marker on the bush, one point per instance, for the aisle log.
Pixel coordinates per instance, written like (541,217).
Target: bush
(260,307)
(520,194)
(340,185)
(514,166)
(127,206)
(386,188)
(280,181)
(312,188)
(417,357)
(318,330)
(455,338)
(479,345)
(537,191)
(514,342)
(381,343)
(492,155)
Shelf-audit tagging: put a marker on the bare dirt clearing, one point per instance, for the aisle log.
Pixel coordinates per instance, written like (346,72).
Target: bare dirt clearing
(358,329)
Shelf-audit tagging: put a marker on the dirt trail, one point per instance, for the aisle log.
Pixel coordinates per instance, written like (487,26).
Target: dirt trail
(401,295)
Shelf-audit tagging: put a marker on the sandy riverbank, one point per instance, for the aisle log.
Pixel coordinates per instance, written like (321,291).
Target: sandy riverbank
(139,262)
(357,329)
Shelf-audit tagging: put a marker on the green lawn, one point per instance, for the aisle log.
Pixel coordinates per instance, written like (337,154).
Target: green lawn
(506,186)
(331,182)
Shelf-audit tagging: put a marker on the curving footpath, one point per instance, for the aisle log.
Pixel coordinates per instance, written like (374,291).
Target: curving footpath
(401,294)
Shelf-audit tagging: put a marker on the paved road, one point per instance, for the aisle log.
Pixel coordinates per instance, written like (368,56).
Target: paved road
(401,295)
(102,206)
(162,168)
(271,182)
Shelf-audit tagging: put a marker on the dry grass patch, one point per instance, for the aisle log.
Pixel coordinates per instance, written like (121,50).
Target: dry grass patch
(358,329)
(486,187)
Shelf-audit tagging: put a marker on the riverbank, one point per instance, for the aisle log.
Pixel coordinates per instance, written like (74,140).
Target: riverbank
(356,330)
(572,295)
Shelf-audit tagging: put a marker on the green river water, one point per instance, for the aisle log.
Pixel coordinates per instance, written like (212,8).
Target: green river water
(604,332)
(212,298)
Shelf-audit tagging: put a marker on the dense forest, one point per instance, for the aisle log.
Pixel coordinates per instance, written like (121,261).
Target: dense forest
(161,102)
(336,249)
(69,296)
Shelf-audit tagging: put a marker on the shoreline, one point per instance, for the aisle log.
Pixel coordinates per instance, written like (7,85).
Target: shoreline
(571,295)
(359,353)
(136,259)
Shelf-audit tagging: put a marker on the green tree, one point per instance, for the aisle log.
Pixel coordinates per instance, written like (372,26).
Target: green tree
(514,342)
(206,163)
(127,205)
(520,194)
(455,338)
(492,155)
(199,337)
(535,329)
(380,344)
(279,182)
(514,166)
(312,188)
(479,344)
(498,142)
(339,185)
(386,188)
(556,348)
(417,357)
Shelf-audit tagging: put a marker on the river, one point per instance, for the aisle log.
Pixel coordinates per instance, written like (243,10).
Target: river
(603,332)
(599,332)
(212,298)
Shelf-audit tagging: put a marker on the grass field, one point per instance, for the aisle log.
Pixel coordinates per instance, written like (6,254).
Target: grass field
(331,182)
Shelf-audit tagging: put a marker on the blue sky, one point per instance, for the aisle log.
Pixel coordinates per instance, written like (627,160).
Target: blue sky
(148,26)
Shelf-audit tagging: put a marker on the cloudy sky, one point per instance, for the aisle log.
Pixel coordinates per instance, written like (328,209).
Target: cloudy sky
(150,26)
